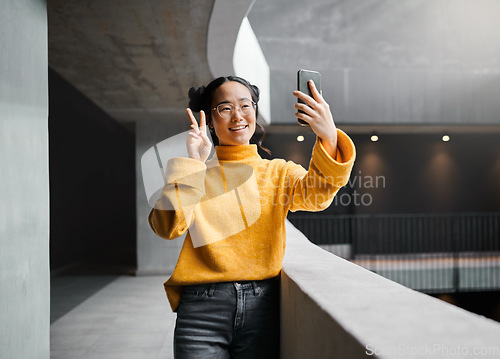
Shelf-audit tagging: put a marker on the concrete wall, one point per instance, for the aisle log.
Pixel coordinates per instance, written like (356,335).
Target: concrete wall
(154,254)
(408,62)
(24,181)
(332,308)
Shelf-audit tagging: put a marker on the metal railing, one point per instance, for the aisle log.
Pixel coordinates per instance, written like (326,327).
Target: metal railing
(427,252)
(404,233)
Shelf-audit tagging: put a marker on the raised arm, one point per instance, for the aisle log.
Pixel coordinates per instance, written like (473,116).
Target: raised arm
(314,189)
(184,184)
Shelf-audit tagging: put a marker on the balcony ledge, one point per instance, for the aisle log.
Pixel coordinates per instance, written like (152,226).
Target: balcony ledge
(332,308)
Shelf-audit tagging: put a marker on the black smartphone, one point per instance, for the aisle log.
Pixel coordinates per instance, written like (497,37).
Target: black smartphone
(303,78)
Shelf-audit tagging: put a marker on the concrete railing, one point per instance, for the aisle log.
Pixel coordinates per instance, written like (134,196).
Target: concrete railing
(332,308)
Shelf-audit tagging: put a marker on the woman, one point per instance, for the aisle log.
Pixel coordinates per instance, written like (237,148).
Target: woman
(225,287)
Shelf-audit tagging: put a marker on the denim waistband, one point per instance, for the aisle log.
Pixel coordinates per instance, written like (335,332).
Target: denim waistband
(243,284)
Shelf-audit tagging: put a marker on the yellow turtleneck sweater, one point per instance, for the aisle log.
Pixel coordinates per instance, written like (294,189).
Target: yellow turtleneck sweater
(234,209)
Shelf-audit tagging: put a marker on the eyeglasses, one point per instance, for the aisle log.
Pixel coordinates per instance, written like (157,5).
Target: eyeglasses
(226,110)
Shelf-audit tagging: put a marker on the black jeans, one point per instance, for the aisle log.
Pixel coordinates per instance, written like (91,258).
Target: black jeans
(229,320)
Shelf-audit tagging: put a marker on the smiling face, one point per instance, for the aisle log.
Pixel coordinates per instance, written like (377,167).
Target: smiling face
(239,128)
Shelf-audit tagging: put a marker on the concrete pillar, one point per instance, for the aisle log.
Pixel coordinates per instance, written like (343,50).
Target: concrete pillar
(154,254)
(24,181)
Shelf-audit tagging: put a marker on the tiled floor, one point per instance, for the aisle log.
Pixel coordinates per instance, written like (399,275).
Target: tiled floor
(124,317)
(70,290)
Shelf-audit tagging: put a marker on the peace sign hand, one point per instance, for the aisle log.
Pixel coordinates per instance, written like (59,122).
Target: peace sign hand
(197,143)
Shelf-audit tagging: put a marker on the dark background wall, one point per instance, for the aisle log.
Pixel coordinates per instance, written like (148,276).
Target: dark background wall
(412,173)
(92,181)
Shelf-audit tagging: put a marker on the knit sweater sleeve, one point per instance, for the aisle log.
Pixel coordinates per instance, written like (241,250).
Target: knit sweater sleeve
(314,190)
(184,187)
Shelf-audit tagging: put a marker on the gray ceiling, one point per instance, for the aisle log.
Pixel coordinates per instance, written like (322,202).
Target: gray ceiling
(135,59)
(411,62)
(417,62)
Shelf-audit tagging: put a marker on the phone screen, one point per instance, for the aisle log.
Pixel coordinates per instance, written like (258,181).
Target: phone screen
(303,77)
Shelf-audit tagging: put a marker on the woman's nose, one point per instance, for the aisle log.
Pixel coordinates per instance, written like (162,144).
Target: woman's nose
(237,114)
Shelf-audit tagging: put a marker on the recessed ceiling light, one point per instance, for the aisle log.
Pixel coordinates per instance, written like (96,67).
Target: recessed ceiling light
(374,138)
(300,138)
(445,138)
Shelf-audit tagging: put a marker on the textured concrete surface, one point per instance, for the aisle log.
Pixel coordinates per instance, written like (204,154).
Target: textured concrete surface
(134,59)
(333,308)
(70,290)
(415,62)
(24,181)
(386,62)
(129,318)
(225,22)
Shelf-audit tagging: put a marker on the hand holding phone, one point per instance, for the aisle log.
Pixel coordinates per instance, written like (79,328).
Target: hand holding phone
(315,110)
(303,78)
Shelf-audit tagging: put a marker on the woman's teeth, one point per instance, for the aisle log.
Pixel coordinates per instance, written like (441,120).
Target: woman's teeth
(237,128)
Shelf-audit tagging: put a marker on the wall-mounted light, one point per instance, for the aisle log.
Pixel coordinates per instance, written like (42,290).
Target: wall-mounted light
(445,138)
(300,138)
(374,137)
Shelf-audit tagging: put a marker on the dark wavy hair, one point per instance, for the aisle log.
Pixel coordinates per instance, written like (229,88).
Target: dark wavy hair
(200,98)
